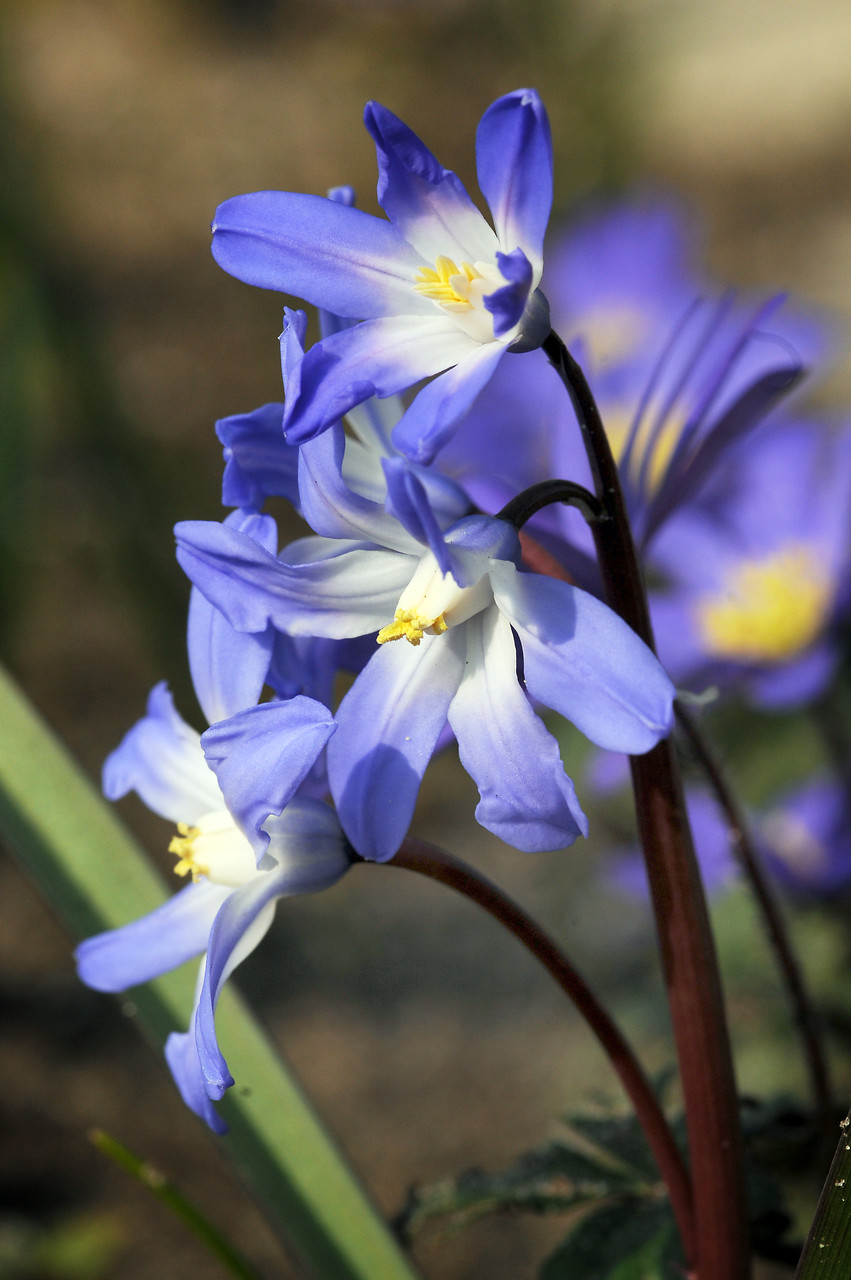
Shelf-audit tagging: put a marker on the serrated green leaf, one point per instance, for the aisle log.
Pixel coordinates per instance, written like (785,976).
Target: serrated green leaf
(625,1239)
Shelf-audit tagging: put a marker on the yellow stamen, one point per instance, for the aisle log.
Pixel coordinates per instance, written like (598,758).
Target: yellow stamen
(412,627)
(447,283)
(182,845)
(772,608)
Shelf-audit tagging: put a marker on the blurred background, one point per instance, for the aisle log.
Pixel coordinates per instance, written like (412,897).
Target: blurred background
(428,1041)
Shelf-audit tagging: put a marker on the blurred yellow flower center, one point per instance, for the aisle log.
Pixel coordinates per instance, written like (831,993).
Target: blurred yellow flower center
(183,846)
(771,609)
(412,627)
(618,424)
(447,283)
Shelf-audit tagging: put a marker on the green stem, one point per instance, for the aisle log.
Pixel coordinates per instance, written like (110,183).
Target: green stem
(176,1202)
(429,860)
(685,937)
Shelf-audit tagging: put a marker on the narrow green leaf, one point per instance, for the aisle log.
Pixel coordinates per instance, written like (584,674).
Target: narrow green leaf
(97,878)
(827,1253)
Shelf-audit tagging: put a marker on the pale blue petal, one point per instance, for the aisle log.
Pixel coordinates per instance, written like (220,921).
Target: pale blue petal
(431,420)
(377,358)
(388,725)
(427,203)
(162,761)
(514,158)
(229,667)
(181,1055)
(344,591)
(240,926)
(332,509)
(526,797)
(261,756)
(155,944)
(582,660)
(408,502)
(330,254)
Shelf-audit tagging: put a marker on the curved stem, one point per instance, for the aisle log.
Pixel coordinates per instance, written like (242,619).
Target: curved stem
(524,505)
(793,978)
(429,860)
(682,920)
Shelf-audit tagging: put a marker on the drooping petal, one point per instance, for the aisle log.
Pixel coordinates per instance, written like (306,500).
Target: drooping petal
(332,509)
(154,944)
(526,797)
(182,1058)
(431,419)
(582,660)
(258,461)
(332,255)
(409,506)
(348,593)
(388,725)
(261,756)
(426,203)
(161,759)
(377,358)
(514,158)
(240,926)
(229,667)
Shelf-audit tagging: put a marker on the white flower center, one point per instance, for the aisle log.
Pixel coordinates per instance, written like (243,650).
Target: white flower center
(215,848)
(461,291)
(433,602)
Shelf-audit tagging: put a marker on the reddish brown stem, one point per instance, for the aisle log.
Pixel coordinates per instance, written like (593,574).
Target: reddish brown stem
(772,916)
(685,937)
(429,860)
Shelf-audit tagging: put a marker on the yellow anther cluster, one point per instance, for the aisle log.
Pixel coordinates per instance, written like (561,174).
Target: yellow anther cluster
(182,845)
(772,609)
(410,626)
(446,282)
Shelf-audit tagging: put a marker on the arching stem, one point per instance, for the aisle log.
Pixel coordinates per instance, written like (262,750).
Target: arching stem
(433,862)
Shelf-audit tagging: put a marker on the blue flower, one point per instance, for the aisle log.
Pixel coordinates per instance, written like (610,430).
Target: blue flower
(437,290)
(246,833)
(754,572)
(482,639)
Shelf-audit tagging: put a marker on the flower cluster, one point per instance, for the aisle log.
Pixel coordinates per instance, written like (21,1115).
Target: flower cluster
(409,577)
